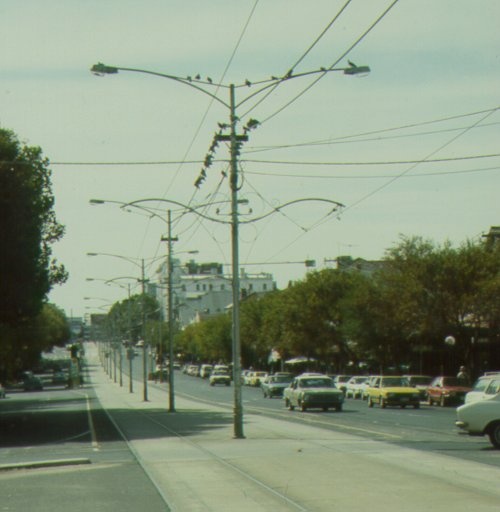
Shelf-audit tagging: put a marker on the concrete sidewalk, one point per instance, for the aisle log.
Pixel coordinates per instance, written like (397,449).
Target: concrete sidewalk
(196,464)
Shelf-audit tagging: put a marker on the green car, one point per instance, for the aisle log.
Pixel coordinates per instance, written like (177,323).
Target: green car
(32,382)
(313,391)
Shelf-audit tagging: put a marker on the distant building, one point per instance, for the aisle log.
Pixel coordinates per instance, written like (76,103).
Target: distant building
(203,290)
(365,267)
(493,236)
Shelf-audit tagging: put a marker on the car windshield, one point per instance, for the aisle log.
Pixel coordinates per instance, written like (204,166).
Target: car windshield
(315,382)
(281,378)
(389,382)
(451,381)
(481,384)
(420,381)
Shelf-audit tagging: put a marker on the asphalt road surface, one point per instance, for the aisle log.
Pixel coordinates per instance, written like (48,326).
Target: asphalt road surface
(50,459)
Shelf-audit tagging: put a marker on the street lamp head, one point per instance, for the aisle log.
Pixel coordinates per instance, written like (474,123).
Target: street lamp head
(97,201)
(101,69)
(356,70)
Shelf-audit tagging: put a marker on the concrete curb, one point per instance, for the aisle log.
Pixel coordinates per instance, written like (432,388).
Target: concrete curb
(44,464)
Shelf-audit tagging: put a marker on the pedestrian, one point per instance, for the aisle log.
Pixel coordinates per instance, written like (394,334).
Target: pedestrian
(463,376)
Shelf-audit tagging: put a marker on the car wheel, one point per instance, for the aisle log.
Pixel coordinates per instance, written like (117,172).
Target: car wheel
(383,403)
(442,401)
(325,409)
(494,435)
(302,406)
(338,408)
(289,405)
(370,401)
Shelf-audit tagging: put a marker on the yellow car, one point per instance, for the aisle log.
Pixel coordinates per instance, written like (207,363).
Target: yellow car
(392,391)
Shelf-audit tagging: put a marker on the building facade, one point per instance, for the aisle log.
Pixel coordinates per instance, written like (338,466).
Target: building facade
(204,290)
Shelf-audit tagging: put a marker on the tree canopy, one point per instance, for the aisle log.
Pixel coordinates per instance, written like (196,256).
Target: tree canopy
(28,228)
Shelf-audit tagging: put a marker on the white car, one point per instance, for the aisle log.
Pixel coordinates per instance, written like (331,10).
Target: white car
(219,377)
(481,418)
(485,387)
(355,386)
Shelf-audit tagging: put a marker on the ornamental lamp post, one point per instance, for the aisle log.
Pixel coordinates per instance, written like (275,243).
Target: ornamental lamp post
(142,280)
(235,141)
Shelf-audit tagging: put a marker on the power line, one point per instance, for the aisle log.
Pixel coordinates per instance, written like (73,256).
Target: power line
(371,176)
(299,60)
(314,82)
(376,162)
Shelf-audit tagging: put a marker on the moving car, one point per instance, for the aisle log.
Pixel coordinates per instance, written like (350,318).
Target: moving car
(340,382)
(313,391)
(481,418)
(481,388)
(421,382)
(219,377)
(257,378)
(205,371)
(355,386)
(446,391)
(274,385)
(394,390)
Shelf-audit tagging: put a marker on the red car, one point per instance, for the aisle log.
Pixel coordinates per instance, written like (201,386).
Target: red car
(446,391)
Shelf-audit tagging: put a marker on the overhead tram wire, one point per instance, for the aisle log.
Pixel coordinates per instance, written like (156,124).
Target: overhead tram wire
(199,221)
(300,59)
(355,139)
(226,69)
(424,160)
(370,176)
(198,129)
(316,80)
(379,162)
(319,142)
(378,189)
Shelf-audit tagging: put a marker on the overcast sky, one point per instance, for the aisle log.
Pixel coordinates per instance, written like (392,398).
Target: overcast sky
(409,149)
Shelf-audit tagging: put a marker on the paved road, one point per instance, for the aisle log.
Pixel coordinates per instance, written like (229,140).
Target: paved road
(55,456)
(135,455)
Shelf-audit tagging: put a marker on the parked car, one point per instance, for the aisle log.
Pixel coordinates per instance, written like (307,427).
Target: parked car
(446,391)
(193,370)
(256,378)
(367,384)
(206,370)
(355,386)
(481,418)
(219,377)
(31,382)
(340,382)
(313,391)
(60,378)
(478,391)
(274,385)
(392,391)
(421,382)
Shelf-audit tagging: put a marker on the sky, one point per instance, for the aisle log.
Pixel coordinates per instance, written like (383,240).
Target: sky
(410,149)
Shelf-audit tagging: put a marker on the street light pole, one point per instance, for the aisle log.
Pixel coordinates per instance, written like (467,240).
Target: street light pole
(171,393)
(101,69)
(143,314)
(144,351)
(238,404)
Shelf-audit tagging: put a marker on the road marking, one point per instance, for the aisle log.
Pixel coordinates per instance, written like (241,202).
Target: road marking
(94,443)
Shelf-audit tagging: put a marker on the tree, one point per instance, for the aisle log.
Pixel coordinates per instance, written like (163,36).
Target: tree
(28,228)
